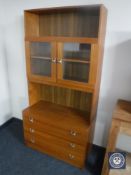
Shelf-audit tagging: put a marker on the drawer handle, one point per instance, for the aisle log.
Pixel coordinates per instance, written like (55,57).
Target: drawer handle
(32,130)
(72,145)
(31,119)
(71,156)
(73,133)
(32,140)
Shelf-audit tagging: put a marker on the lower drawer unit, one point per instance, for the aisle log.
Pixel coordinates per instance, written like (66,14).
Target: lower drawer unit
(70,134)
(61,149)
(65,156)
(55,134)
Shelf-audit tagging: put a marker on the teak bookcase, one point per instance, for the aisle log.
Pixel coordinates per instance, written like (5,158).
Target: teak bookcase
(64,51)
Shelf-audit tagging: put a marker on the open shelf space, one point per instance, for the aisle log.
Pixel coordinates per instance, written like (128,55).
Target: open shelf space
(69,22)
(88,89)
(63,96)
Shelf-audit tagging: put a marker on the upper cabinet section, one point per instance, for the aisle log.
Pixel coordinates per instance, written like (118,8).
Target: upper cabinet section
(80,21)
(64,46)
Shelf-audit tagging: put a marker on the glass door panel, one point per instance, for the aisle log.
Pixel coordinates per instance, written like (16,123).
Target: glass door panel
(41,58)
(76,51)
(75,71)
(74,62)
(41,67)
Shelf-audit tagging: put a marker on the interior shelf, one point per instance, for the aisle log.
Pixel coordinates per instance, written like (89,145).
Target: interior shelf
(40,57)
(76,60)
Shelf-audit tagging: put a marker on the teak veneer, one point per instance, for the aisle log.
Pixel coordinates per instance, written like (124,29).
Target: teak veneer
(64,52)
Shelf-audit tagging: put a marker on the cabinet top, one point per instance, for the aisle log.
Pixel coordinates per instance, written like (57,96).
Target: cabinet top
(94,9)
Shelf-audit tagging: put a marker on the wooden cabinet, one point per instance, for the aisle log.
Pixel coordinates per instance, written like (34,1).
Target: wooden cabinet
(64,49)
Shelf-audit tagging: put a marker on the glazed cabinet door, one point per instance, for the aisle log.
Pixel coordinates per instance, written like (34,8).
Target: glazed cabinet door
(74,65)
(41,61)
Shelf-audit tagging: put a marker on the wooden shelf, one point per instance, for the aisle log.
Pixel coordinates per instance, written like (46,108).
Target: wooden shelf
(76,61)
(62,39)
(41,57)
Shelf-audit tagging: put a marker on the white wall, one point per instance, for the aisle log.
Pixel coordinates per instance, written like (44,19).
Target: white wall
(116,76)
(5,105)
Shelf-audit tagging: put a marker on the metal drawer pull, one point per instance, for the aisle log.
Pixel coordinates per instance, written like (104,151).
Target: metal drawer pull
(31,119)
(32,130)
(72,145)
(32,140)
(73,133)
(71,156)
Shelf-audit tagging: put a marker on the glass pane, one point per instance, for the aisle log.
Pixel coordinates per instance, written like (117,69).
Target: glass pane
(41,49)
(41,58)
(41,67)
(76,71)
(77,51)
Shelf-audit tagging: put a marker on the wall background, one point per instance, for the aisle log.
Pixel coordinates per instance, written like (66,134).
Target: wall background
(116,74)
(5,98)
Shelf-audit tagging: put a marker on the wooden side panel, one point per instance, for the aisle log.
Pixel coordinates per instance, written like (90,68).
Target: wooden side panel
(96,74)
(31,24)
(100,51)
(34,93)
(67,97)
(93,64)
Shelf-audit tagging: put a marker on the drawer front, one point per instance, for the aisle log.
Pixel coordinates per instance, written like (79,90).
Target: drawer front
(72,134)
(56,150)
(32,135)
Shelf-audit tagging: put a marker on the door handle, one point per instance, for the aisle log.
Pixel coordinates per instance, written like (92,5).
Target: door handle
(53,60)
(59,61)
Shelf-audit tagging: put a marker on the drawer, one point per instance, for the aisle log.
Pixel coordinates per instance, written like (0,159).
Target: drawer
(70,134)
(55,150)
(43,138)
